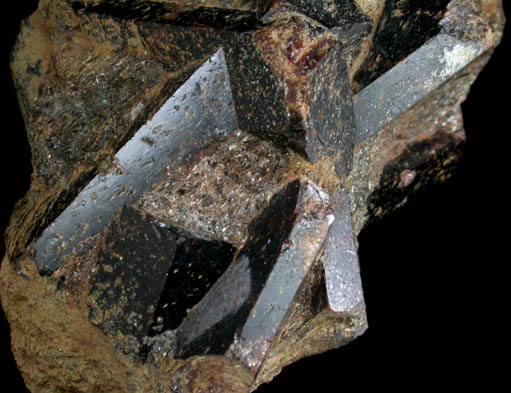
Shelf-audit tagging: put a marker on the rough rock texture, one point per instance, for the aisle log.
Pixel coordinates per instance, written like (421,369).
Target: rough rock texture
(238,14)
(272,131)
(100,93)
(404,149)
(403,27)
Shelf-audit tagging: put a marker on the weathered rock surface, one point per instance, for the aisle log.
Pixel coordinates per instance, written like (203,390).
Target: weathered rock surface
(244,312)
(218,13)
(202,170)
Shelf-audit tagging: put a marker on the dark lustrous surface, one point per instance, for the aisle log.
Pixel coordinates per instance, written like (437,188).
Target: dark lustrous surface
(305,104)
(300,249)
(421,165)
(258,93)
(163,293)
(340,259)
(197,264)
(86,83)
(244,310)
(149,274)
(404,26)
(131,271)
(211,326)
(331,113)
(198,114)
(294,92)
(411,81)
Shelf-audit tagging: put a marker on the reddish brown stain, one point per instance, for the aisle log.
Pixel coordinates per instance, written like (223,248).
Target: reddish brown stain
(310,59)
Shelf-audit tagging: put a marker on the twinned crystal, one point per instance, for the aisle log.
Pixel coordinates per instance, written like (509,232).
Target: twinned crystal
(148,275)
(199,114)
(258,289)
(202,170)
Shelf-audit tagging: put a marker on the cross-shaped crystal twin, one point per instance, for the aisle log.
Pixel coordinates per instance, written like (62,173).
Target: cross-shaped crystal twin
(280,73)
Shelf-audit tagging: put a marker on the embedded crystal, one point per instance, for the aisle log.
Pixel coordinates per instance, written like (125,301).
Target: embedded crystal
(202,170)
(199,114)
(149,273)
(243,312)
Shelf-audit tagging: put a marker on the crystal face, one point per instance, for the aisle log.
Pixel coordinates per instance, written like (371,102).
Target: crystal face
(199,113)
(258,288)
(149,275)
(203,168)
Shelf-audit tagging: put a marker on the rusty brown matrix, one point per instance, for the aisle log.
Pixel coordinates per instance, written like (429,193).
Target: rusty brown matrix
(201,172)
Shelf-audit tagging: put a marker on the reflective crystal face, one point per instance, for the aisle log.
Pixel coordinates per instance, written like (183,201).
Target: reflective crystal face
(171,269)
(159,274)
(221,162)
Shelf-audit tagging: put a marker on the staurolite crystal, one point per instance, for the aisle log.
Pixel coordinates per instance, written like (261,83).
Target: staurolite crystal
(202,170)
(199,114)
(340,259)
(148,275)
(306,94)
(257,290)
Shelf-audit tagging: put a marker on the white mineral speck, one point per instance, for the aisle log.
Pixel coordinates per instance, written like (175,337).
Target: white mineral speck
(457,58)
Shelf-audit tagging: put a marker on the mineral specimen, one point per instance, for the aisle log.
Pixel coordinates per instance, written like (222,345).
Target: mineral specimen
(202,170)
(148,275)
(258,288)
(198,114)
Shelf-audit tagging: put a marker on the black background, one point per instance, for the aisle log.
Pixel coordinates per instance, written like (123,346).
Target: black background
(432,272)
